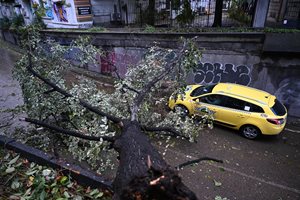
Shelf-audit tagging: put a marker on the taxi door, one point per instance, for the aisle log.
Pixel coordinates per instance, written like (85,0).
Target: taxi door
(227,111)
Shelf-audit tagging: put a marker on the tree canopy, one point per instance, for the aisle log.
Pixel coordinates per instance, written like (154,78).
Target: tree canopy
(99,127)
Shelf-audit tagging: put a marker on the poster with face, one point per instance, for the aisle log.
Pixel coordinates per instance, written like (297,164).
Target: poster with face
(60,12)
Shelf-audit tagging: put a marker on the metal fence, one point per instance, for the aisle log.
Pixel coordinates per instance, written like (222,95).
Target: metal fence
(165,13)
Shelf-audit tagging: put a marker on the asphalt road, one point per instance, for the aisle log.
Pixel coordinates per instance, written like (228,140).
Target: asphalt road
(266,169)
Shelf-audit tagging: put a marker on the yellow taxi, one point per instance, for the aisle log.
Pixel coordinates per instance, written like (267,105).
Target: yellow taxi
(251,111)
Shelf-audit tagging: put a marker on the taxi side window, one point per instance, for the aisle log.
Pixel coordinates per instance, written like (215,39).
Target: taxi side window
(230,102)
(235,103)
(242,105)
(213,99)
(254,108)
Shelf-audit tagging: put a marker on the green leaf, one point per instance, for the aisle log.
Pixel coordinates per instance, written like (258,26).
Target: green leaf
(70,185)
(14,197)
(53,184)
(54,190)
(43,195)
(66,194)
(222,169)
(99,195)
(10,170)
(31,172)
(15,185)
(64,180)
(93,192)
(46,172)
(77,197)
(218,198)
(19,164)
(13,161)
(217,183)
(27,192)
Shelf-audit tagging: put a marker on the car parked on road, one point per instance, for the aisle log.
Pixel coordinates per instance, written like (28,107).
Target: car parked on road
(251,111)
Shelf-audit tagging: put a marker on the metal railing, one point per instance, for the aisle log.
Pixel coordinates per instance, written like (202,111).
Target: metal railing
(164,14)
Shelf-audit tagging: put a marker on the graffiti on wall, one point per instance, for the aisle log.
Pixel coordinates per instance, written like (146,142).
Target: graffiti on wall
(288,93)
(121,61)
(125,60)
(106,61)
(208,73)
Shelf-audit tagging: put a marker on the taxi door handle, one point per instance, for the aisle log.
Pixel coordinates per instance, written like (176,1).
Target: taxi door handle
(241,116)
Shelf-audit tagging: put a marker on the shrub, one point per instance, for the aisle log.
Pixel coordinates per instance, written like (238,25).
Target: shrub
(186,16)
(17,22)
(5,23)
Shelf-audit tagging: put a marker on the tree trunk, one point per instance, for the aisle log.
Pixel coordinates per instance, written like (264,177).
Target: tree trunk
(151,13)
(142,172)
(218,14)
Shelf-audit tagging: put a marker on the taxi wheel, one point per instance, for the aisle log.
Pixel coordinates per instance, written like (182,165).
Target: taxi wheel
(183,110)
(250,132)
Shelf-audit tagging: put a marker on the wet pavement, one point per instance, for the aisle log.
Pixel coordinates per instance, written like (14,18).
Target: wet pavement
(265,169)
(10,93)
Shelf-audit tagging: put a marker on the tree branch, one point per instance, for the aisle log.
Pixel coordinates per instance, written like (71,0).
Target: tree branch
(139,99)
(49,91)
(48,82)
(69,132)
(197,161)
(115,70)
(66,94)
(173,132)
(130,88)
(99,112)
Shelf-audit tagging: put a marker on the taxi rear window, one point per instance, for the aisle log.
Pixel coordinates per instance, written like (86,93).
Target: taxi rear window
(278,108)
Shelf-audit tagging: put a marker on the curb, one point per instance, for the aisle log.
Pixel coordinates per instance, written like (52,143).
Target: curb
(79,174)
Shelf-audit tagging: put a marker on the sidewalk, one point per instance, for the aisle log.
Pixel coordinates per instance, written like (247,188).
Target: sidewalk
(10,93)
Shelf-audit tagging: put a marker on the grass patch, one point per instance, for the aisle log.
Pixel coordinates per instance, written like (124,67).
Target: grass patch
(151,29)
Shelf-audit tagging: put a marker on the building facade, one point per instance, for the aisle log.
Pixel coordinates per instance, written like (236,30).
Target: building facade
(284,13)
(54,13)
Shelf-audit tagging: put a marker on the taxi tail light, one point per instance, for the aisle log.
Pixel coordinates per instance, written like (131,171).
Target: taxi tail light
(276,121)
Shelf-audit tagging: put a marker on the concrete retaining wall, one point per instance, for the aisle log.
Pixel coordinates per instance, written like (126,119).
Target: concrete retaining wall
(10,37)
(270,62)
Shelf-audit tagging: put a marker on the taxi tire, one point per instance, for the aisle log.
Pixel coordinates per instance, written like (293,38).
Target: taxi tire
(184,110)
(250,132)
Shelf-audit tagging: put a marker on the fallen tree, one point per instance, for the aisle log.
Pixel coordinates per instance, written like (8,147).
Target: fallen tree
(116,122)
